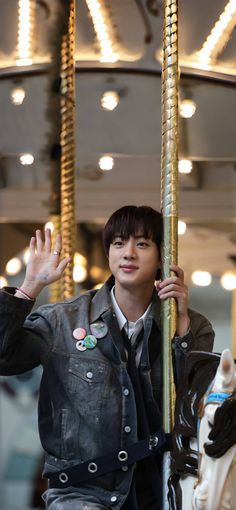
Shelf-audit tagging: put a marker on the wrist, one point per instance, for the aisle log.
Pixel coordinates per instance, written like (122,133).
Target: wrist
(22,294)
(30,291)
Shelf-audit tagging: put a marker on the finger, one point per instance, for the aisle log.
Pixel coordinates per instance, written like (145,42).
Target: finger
(32,245)
(177,270)
(39,242)
(62,265)
(157,285)
(169,281)
(172,294)
(57,246)
(178,286)
(48,240)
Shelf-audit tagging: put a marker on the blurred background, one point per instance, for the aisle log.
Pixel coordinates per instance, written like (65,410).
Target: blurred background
(118,155)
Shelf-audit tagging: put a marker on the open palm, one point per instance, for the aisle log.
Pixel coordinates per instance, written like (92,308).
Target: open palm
(44,265)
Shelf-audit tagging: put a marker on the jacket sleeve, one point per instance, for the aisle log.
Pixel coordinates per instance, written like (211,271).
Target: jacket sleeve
(25,340)
(200,337)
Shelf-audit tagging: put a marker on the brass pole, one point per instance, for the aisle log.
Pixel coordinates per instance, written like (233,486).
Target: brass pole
(55,289)
(53,147)
(68,225)
(169,193)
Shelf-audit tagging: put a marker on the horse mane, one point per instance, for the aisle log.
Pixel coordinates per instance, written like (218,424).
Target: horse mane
(200,369)
(223,433)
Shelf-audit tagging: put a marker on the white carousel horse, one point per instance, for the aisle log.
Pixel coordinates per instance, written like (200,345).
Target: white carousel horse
(216,485)
(204,457)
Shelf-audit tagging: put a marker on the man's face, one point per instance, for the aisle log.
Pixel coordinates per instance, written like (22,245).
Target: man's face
(134,262)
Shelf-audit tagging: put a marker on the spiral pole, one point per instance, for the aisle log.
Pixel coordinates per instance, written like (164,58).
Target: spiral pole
(169,206)
(68,225)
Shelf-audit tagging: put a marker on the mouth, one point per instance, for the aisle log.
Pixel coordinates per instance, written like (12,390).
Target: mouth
(128,268)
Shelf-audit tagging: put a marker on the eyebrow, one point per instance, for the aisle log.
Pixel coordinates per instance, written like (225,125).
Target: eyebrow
(135,237)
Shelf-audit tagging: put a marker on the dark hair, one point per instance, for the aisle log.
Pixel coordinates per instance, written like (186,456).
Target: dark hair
(129,221)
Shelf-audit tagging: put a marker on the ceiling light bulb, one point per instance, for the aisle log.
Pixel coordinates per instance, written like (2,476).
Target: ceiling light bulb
(187,108)
(181,227)
(110,100)
(201,278)
(228,280)
(26,159)
(185,166)
(13,266)
(17,96)
(106,163)
(3,282)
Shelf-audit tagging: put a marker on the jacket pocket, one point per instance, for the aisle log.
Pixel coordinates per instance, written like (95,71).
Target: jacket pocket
(87,384)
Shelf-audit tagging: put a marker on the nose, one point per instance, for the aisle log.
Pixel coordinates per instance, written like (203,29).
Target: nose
(130,252)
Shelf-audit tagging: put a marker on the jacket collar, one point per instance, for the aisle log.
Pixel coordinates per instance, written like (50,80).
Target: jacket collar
(101,302)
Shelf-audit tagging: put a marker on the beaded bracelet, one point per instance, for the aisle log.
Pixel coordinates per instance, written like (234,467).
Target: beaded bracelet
(24,294)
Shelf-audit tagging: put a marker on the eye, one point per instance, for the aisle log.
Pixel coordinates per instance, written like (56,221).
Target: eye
(143,244)
(118,242)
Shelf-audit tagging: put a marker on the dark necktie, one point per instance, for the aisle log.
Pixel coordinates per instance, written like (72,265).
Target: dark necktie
(147,466)
(131,345)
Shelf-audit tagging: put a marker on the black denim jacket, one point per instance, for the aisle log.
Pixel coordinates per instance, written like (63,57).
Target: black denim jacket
(86,403)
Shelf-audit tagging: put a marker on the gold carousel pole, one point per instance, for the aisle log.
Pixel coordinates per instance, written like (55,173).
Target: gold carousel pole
(169,205)
(68,225)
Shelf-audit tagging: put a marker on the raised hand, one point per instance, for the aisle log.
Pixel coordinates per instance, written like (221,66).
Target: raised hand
(175,287)
(44,265)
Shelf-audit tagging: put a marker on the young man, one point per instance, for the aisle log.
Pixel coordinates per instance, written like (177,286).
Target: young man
(100,396)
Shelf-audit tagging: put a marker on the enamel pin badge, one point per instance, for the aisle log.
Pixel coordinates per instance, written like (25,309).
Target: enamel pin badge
(84,341)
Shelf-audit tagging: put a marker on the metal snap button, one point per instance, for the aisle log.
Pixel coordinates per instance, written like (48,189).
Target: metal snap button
(153,442)
(63,477)
(184,345)
(126,392)
(127,429)
(122,456)
(124,468)
(92,467)
(113,499)
(89,375)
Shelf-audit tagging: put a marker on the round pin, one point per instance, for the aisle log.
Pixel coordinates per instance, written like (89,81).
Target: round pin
(99,329)
(79,333)
(80,345)
(90,341)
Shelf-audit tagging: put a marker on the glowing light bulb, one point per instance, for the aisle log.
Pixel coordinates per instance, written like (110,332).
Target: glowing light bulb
(13,266)
(49,225)
(228,280)
(110,100)
(79,259)
(79,274)
(181,227)
(201,278)
(26,159)
(185,166)
(3,282)
(17,96)
(187,108)
(106,163)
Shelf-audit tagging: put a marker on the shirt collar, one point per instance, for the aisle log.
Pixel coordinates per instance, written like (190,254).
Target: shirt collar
(101,302)
(122,321)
